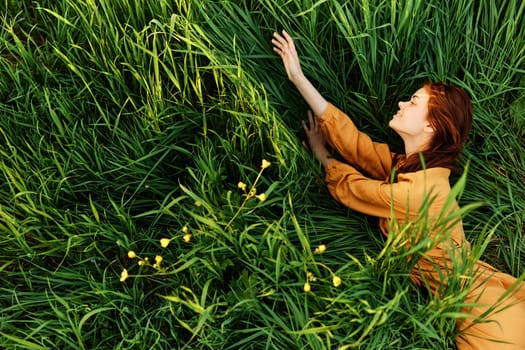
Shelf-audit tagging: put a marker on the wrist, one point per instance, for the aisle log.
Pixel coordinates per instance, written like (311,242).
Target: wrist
(298,78)
(323,156)
(327,159)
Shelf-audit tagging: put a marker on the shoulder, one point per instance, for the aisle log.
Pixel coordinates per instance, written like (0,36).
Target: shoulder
(431,175)
(413,189)
(434,181)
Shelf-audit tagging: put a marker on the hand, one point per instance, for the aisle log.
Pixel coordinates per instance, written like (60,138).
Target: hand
(284,47)
(316,139)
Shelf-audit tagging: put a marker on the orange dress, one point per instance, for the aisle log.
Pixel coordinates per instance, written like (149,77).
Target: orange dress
(362,183)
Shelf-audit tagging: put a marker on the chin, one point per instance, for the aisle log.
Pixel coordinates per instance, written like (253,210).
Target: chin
(393,127)
(390,124)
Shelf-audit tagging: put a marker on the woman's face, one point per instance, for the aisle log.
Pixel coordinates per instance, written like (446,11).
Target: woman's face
(411,118)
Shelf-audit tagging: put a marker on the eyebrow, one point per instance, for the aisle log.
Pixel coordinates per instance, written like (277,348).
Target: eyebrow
(416,96)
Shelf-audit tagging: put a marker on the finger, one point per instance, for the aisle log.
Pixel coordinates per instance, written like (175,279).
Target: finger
(279,38)
(288,38)
(277,43)
(305,127)
(305,145)
(282,47)
(311,119)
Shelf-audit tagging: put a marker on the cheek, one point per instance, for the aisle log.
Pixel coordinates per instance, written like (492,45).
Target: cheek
(424,113)
(420,116)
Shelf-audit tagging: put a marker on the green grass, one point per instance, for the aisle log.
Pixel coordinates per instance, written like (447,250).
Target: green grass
(125,121)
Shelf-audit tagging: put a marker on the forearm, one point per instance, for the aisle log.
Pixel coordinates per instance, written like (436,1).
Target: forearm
(354,146)
(315,100)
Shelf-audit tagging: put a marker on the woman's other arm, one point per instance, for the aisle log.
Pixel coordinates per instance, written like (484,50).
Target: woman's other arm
(284,47)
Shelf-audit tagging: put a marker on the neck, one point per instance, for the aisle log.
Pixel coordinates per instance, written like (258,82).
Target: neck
(414,146)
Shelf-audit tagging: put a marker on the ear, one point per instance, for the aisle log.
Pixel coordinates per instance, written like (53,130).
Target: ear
(429,128)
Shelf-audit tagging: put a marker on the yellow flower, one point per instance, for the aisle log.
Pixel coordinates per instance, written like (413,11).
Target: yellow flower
(265,164)
(307,287)
(142,263)
(187,237)
(321,249)
(185,229)
(261,197)
(131,254)
(164,242)
(336,281)
(158,260)
(310,277)
(242,186)
(124,275)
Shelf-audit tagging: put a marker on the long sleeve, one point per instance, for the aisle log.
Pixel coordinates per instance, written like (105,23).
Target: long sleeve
(501,327)
(356,147)
(401,200)
(369,196)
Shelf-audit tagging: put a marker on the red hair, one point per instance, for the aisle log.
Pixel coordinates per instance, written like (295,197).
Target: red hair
(450,115)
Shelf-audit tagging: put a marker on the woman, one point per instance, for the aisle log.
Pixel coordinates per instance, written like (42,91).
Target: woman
(434,125)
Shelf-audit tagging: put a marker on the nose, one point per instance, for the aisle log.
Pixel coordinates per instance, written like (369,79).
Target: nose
(402,104)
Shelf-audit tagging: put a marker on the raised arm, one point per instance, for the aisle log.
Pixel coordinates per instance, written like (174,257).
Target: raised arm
(284,47)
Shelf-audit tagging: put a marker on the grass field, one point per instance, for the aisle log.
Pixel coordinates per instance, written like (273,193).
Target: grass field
(132,125)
